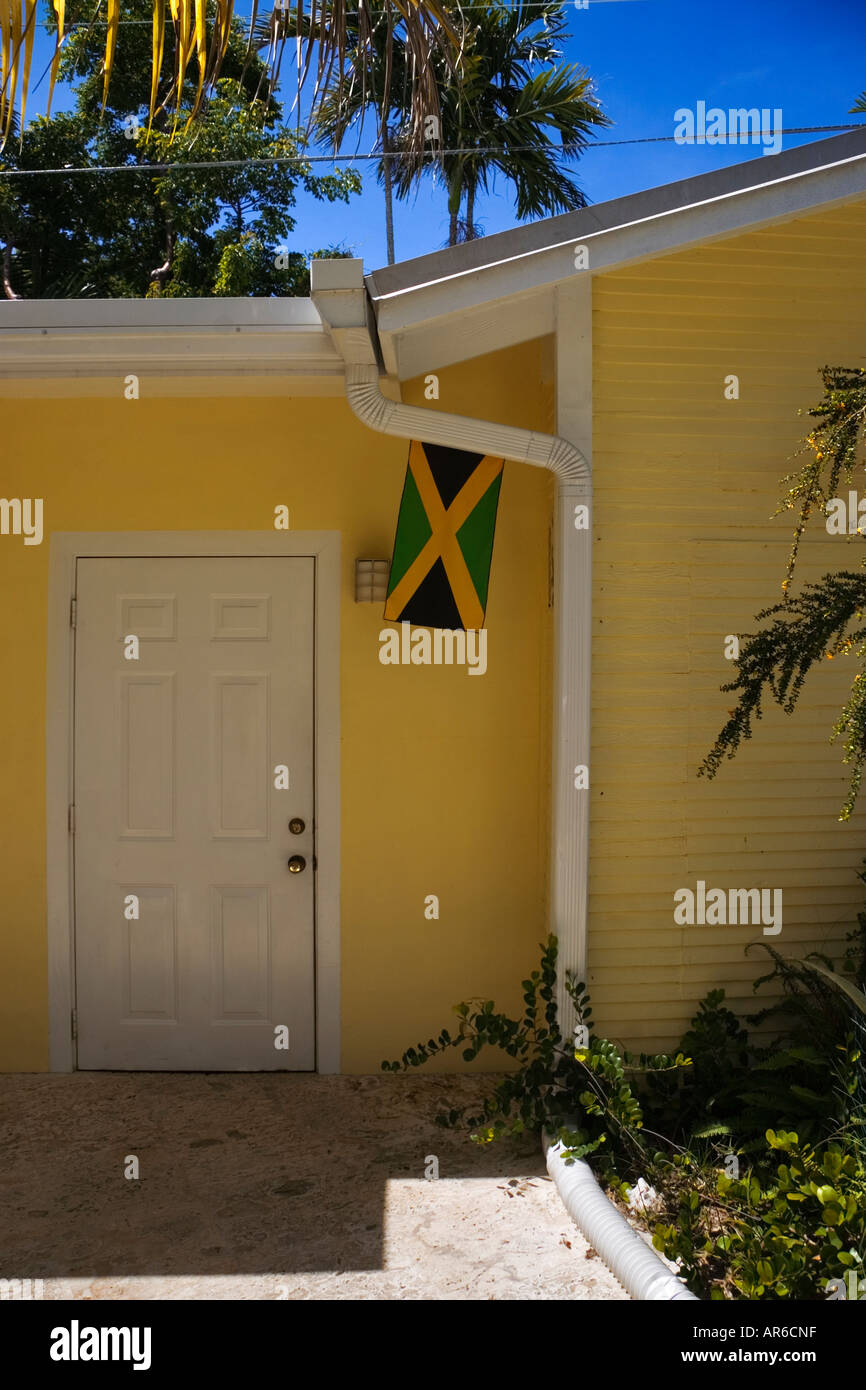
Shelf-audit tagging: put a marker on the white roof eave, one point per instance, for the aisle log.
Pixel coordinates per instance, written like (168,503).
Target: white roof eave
(511,299)
(56,337)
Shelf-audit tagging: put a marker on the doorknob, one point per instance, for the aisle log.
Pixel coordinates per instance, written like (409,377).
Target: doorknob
(297,864)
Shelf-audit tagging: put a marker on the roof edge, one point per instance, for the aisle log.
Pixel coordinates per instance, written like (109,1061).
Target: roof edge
(160,314)
(665,199)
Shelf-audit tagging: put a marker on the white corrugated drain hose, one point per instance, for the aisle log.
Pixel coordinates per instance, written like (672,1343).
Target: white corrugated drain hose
(629,1259)
(462,432)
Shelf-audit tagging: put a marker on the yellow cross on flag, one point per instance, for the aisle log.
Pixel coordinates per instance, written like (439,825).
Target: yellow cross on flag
(444,542)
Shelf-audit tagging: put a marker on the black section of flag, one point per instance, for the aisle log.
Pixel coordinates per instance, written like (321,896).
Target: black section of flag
(432,604)
(451,468)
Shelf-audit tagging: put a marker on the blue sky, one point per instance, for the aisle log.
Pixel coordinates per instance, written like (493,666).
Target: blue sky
(648,58)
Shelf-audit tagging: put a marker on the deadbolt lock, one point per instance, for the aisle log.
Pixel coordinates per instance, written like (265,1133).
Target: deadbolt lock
(296,825)
(297,863)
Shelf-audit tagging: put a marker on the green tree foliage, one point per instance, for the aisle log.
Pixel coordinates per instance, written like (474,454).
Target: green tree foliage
(176,232)
(828,619)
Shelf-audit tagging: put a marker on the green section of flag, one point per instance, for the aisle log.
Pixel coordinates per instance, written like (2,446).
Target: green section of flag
(413,531)
(476,539)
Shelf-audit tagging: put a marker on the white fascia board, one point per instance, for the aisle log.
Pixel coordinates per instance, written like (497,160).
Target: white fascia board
(88,314)
(777,200)
(236,337)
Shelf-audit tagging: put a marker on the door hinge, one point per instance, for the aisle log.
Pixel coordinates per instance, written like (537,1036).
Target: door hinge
(70,819)
(73,612)
(74,1024)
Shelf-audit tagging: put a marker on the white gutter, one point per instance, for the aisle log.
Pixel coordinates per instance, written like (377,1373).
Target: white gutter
(63,338)
(340,297)
(629,1259)
(682,211)
(536,256)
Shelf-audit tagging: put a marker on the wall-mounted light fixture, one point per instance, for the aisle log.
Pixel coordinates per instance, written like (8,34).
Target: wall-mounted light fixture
(371,580)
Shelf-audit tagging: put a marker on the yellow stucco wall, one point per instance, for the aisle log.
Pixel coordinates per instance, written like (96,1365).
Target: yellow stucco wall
(685,553)
(444,776)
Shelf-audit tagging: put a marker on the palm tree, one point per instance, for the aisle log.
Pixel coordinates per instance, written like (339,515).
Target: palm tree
(495,108)
(378,81)
(509,109)
(201,33)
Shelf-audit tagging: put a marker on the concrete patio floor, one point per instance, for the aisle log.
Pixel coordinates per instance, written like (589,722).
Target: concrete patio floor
(275,1186)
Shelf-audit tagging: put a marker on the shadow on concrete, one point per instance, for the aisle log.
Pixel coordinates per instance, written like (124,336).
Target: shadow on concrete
(238,1173)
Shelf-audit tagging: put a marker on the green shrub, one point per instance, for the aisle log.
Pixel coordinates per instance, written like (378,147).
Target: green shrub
(586,1096)
(689,1122)
(781,1231)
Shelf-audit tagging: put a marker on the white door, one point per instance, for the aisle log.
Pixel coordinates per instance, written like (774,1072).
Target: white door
(194,941)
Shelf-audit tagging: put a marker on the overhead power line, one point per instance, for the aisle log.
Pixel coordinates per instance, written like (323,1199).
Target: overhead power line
(433,157)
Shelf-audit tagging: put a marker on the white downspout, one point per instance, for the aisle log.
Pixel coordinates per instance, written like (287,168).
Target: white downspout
(340,296)
(463,432)
(572,567)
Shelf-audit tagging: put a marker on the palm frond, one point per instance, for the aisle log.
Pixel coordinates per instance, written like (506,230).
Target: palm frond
(856,996)
(29,32)
(10,58)
(60,11)
(327,33)
(110,47)
(158,38)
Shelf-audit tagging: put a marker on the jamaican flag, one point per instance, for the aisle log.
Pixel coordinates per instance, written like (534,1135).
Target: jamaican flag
(444,540)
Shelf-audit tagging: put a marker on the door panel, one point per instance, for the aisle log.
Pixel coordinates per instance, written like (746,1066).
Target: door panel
(149,962)
(147,754)
(178,817)
(239,718)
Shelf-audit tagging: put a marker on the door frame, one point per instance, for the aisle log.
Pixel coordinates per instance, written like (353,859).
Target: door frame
(66,549)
